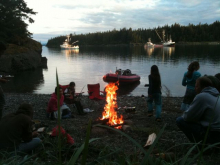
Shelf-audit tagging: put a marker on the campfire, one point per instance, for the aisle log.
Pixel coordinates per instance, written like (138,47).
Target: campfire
(111,106)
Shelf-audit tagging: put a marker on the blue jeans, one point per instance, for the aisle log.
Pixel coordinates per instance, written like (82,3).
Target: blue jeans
(29,146)
(156,98)
(193,131)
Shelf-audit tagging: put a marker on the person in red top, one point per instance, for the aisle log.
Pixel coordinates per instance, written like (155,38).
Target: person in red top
(52,106)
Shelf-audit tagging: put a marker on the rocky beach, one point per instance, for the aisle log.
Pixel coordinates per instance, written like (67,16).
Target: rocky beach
(138,125)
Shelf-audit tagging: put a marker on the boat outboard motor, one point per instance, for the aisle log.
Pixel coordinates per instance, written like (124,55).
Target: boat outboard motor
(118,72)
(127,72)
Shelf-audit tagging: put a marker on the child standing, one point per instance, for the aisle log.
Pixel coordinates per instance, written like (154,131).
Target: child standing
(189,80)
(154,93)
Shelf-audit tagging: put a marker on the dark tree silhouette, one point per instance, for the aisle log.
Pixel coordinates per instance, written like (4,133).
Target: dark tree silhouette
(13,29)
(190,33)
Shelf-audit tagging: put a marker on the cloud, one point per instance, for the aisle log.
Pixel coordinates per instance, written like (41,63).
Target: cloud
(84,16)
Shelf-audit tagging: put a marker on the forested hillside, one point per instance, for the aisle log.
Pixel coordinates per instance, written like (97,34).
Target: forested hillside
(190,33)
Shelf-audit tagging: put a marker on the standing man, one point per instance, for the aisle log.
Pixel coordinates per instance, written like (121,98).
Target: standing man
(203,114)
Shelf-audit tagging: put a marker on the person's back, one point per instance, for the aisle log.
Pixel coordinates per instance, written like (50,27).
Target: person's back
(202,119)
(154,93)
(206,107)
(190,82)
(15,128)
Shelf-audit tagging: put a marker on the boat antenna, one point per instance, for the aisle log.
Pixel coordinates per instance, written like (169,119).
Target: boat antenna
(75,42)
(159,35)
(163,33)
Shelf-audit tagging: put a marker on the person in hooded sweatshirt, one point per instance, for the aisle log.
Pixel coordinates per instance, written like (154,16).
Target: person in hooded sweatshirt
(17,131)
(203,114)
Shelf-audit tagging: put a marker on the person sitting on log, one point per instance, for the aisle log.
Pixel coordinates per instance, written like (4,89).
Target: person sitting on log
(203,115)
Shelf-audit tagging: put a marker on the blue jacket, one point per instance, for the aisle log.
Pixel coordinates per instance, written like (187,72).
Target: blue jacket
(190,82)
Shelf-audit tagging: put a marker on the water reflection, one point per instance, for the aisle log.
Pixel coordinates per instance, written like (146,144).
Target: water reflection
(126,89)
(168,51)
(165,51)
(91,63)
(149,50)
(25,82)
(70,52)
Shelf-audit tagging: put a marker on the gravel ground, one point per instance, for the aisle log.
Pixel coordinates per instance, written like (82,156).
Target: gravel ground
(140,126)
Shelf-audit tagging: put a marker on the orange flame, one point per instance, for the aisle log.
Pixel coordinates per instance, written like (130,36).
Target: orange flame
(111,105)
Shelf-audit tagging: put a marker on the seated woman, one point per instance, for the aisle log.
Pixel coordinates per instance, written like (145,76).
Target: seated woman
(52,106)
(70,98)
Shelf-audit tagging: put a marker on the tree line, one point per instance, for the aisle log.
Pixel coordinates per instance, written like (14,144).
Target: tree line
(178,33)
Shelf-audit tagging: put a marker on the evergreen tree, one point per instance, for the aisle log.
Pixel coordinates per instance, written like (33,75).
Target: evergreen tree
(13,28)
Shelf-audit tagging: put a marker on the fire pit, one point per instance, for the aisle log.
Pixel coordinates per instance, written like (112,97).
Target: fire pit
(109,115)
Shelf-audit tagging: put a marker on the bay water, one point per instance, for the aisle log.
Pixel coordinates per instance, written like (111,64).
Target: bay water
(89,64)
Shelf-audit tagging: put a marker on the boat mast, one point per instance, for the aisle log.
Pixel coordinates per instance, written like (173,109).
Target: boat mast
(68,36)
(75,42)
(163,34)
(159,36)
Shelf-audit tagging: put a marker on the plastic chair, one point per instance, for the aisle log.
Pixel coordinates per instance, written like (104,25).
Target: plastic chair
(94,92)
(64,87)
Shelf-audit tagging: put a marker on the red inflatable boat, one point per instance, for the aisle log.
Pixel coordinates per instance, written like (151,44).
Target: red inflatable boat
(123,76)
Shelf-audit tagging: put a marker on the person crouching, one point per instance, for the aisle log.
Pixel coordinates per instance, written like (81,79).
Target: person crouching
(17,131)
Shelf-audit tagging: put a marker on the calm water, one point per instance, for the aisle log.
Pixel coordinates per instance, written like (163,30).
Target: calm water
(89,64)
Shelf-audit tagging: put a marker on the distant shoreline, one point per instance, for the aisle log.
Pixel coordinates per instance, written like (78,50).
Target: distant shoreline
(139,44)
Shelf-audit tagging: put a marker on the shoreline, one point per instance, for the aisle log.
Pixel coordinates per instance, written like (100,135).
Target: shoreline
(40,101)
(142,44)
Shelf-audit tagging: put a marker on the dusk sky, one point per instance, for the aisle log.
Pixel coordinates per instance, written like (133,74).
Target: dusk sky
(62,17)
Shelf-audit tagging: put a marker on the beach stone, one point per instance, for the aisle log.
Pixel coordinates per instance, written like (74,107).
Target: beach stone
(98,130)
(126,128)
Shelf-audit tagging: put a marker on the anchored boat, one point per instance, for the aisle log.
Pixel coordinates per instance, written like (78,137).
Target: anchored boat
(66,44)
(123,76)
(169,41)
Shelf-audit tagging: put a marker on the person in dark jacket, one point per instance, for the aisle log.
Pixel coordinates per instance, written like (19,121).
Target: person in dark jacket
(203,114)
(71,98)
(154,93)
(17,130)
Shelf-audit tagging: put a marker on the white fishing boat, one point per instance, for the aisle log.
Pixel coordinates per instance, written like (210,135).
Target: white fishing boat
(149,44)
(168,42)
(66,44)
